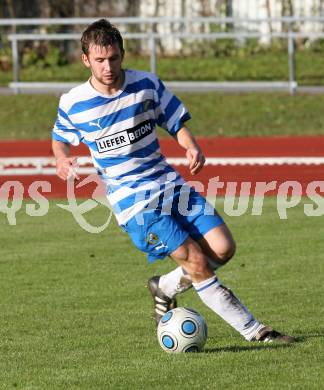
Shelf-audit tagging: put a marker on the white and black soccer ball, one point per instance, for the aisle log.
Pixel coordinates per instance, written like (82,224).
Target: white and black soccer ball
(182,330)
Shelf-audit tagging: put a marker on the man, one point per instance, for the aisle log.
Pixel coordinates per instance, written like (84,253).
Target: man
(115,114)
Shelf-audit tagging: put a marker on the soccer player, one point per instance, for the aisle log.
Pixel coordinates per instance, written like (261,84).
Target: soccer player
(115,113)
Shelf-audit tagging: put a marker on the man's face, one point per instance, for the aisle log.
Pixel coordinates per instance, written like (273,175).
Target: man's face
(105,64)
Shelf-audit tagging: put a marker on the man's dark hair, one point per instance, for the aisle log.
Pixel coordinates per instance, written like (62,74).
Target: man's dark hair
(101,33)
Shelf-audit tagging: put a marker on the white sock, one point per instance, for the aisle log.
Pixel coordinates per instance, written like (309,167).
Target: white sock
(175,282)
(224,303)
(179,281)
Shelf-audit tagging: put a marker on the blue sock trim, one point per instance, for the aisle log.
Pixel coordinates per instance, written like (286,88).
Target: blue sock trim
(207,285)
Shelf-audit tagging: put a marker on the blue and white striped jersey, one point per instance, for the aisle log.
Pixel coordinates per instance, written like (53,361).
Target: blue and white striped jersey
(120,131)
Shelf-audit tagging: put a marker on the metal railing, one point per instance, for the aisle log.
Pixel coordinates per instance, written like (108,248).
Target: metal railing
(234,21)
(152,37)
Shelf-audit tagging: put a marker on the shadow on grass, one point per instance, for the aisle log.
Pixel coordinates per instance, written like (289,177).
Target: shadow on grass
(242,348)
(300,339)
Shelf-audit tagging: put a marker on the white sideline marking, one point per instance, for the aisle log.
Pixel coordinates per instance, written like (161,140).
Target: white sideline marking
(253,160)
(10,166)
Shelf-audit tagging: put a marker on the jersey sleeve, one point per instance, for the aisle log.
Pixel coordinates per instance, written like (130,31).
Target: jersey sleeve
(63,129)
(170,111)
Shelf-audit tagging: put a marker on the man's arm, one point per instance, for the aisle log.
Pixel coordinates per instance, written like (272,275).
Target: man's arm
(193,152)
(65,165)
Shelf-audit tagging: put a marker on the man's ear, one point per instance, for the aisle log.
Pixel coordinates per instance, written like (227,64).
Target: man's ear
(85,60)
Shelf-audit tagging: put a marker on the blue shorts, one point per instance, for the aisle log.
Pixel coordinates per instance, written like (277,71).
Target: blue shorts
(160,231)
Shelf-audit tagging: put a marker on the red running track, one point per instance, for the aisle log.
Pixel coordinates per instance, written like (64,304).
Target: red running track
(305,175)
(218,147)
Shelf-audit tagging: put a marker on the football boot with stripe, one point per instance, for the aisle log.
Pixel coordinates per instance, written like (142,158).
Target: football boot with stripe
(162,303)
(269,335)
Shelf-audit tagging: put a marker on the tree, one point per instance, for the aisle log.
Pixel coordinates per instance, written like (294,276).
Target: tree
(268,11)
(229,14)
(287,9)
(132,8)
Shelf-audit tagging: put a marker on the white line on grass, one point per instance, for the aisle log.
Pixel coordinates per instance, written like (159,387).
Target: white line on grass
(10,166)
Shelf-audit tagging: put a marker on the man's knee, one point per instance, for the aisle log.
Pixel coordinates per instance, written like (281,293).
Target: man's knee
(227,252)
(218,244)
(223,254)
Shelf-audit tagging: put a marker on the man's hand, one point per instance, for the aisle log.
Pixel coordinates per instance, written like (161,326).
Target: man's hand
(193,152)
(196,160)
(66,168)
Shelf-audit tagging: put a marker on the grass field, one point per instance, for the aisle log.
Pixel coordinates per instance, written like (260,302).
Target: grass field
(75,313)
(263,65)
(213,114)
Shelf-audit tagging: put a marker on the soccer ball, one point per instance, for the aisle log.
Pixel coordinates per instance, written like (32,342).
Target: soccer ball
(182,330)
